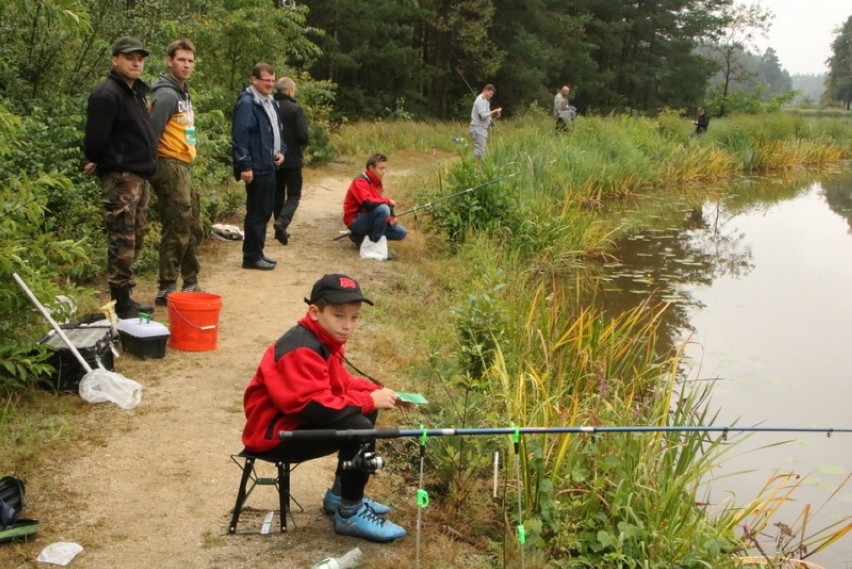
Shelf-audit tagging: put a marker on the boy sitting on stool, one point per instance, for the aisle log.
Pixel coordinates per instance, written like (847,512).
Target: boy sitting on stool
(301,384)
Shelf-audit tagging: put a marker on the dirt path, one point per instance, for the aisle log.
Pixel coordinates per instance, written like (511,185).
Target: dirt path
(159,490)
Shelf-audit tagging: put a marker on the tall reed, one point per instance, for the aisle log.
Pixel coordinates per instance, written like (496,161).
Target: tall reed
(606,500)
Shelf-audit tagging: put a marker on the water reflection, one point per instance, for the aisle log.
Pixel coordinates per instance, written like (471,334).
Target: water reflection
(758,279)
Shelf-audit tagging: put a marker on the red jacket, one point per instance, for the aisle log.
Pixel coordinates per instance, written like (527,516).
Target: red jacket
(364,193)
(301,380)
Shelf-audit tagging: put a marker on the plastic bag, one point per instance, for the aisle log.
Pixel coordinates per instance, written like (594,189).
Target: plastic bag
(378,250)
(100,386)
(59,553)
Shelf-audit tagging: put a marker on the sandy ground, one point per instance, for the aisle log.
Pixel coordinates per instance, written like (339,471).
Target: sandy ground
(159,490)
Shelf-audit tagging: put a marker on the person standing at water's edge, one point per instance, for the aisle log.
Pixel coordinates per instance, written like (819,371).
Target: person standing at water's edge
(122,153)
(258,149)
(288,178)
(701,122)
(172,120)
(480,120)
(563,112)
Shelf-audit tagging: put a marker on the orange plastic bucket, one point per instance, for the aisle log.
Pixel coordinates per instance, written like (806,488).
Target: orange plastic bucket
(194,321)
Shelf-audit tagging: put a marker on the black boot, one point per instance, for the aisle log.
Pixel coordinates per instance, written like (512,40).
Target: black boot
(126,307)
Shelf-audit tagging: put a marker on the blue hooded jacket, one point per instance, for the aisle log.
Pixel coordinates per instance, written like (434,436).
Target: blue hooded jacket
(252,139)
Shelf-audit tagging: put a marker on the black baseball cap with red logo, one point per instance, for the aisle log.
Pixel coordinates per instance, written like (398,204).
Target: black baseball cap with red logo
(337,289)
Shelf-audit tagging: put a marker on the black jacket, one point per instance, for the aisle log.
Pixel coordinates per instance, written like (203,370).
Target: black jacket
(295,129)
(118,136)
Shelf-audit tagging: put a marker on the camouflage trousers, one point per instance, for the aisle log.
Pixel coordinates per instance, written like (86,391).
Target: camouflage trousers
(180,214)
(125,200)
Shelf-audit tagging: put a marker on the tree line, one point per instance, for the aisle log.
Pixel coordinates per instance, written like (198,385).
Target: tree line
(420,58)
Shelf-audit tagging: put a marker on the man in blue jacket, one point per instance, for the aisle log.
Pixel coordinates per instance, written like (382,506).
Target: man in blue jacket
(258,148)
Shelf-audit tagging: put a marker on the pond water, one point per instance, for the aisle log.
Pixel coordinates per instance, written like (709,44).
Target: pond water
(759,279)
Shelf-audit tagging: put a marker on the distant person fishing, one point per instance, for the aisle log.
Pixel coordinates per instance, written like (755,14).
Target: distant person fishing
(480,120)
(701,122)
(563,111)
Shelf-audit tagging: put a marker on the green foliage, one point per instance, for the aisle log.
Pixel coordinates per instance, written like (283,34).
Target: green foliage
(367,48)
(28,246)
(839,83)
(748,102)
(233,36)
(480,325)
(49,140)
(490,207)
(317,97)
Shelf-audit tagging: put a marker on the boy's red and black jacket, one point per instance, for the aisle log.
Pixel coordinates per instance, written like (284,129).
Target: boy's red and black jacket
(301,380)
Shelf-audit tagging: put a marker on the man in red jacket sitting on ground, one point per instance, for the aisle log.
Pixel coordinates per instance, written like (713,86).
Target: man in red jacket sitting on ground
(366,210)
(301,384)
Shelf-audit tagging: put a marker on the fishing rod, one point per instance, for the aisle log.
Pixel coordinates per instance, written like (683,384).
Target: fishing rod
(455,195)
(390,433)
(459,71)
(465,191)
(515,432)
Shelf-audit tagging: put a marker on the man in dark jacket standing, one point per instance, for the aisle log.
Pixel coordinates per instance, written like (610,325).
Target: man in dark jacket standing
(173,122)
(701,122)
(258,149)
(122,152)
(288,179)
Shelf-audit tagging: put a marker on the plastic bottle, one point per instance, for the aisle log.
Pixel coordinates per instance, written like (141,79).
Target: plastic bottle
(351,559)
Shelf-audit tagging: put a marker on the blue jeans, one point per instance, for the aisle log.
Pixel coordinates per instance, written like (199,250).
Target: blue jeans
(374,223)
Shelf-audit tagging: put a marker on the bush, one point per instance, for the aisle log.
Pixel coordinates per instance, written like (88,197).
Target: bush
(29,247)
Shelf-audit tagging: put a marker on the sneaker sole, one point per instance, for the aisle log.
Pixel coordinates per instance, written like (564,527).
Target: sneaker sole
(374,539)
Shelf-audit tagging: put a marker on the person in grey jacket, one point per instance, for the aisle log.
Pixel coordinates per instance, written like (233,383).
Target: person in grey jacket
(258,148)
(563,112)
(480,119)
(288,178)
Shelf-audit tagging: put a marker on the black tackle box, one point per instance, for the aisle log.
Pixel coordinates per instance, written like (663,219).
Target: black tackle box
(94,342)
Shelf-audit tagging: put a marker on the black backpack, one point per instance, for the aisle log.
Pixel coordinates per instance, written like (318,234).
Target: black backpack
(11,504)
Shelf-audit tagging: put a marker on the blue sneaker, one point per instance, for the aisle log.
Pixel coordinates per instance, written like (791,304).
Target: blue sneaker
(366,524)
(331,501)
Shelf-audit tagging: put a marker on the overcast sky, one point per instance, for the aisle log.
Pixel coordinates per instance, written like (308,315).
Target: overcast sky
(801,32)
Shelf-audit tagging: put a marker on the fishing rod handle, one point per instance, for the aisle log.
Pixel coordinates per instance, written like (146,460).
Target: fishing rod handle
(346,434)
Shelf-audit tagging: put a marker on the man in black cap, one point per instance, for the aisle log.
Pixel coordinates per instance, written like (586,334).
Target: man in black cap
(301,384)
(122,152)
